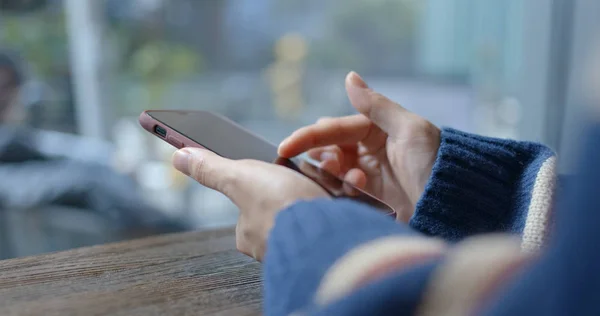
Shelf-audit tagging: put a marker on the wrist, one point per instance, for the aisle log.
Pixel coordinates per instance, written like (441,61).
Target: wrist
(422,163)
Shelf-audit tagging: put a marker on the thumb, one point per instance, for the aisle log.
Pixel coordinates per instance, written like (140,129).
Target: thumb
(385,113)
(206,167)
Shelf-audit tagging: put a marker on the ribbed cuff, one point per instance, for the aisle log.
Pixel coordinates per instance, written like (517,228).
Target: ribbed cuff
(478,184)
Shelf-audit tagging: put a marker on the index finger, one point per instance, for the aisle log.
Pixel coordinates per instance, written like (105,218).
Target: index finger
(335,131)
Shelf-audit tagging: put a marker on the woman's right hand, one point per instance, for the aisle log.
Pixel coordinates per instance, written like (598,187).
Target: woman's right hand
(386,150)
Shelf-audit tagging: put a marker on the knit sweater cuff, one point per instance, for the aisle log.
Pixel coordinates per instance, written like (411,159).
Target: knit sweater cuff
(478,184)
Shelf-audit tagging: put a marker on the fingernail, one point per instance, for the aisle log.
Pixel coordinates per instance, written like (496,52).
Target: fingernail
(357,81)
(181,160)
(328,156)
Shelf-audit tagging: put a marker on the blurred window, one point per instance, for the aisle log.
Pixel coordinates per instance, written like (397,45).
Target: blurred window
(485,66)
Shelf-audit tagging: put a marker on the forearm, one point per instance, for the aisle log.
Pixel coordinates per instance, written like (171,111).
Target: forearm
(343,258)
(307,240)
(325,258)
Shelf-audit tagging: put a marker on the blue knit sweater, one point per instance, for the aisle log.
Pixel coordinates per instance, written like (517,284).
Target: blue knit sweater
(337,257)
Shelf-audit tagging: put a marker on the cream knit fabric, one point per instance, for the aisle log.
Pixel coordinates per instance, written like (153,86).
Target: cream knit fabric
(538,216)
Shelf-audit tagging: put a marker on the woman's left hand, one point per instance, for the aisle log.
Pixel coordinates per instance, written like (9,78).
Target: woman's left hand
(259,189)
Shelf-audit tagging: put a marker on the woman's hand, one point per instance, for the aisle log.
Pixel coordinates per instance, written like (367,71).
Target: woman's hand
(260,190)
(386,150)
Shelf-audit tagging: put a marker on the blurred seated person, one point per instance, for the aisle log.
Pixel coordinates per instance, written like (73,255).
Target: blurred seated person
(33,179)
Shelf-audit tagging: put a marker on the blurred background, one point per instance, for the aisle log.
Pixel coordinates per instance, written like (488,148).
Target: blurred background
(77,169)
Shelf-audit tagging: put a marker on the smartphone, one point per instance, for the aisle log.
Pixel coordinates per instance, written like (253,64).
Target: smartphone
(228,139)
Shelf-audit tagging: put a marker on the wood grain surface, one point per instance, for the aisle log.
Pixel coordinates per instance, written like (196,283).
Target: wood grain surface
(198,273)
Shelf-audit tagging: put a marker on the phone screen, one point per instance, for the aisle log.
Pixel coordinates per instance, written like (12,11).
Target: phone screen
(230,140)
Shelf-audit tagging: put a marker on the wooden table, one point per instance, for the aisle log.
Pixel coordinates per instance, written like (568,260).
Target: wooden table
(198,273)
